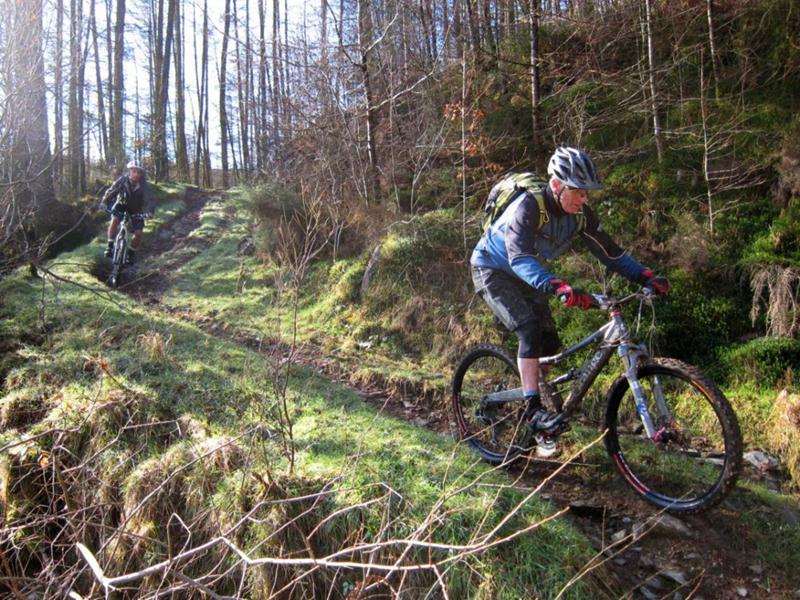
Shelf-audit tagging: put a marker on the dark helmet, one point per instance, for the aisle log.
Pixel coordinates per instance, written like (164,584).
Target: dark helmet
(574,168)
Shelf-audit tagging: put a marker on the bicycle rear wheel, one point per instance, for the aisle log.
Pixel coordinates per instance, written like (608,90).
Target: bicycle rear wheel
(492,428)
(696,456)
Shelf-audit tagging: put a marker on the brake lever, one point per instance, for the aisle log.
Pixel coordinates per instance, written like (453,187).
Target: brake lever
(600,301)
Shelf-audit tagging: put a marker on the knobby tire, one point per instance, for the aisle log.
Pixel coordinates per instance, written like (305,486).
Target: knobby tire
(700,461)
(487,368)
(116,263)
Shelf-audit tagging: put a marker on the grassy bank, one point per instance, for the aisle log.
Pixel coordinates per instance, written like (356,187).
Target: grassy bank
(140,436)
(405,339)
(407,329)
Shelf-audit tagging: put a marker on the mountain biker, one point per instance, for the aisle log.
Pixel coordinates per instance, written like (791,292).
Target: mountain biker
(132,194)
(509,267)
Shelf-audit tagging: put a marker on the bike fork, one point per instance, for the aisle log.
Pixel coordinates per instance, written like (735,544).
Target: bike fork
(120,247)
(630,358)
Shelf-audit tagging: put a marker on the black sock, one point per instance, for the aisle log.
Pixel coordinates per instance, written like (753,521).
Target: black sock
(534,402)
(532,397)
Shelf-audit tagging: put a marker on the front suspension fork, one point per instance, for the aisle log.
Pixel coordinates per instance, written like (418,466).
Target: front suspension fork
(631,355)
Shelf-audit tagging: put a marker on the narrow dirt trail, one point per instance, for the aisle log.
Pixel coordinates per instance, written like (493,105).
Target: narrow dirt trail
(651,556)
(173,244)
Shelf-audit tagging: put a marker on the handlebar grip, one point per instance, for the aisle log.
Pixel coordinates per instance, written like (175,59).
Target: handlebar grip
(564,299)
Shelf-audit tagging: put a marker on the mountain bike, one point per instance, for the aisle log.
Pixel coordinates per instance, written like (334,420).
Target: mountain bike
(670,431)
(119,257)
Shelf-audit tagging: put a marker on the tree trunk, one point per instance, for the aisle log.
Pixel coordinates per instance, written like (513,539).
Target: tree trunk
(326,81)
(58,91)
(181,158)
(340,50)
(475,34)
(458,29)
(488,30)
(27,109)
(202,154)
(364,42)
(241,85)
(433,31)
(651,63)
(250,120)
(137,121)
(426,30)
(101,109)
(154,27)
(163,50)
(706,150)
(323,35)
(117,134)
(28,205)
(510,17)
(109,80)
(534,73)
(445,27)
(286,80)
(75,111)
(223,113)
(263,100)
(84,53)
(276,73)
(712,45)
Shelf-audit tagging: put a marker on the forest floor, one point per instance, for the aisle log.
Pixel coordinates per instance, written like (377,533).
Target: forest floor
(729,552)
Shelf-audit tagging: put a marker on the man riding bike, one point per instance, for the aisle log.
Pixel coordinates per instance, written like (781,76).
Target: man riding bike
(509,266)
(133,194)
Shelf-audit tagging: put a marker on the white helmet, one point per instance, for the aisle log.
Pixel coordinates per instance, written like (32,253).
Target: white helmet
(134,165)
(574,168)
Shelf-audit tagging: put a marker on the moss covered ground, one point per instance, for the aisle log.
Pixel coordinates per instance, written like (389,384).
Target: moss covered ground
(140,435)
(416,317)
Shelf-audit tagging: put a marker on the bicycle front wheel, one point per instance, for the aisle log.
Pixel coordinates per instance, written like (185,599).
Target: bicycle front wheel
(695,456)
(492,428)
(117,260)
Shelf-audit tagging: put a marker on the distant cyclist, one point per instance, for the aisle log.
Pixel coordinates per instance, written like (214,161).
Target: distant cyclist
(131,193)
(509,265)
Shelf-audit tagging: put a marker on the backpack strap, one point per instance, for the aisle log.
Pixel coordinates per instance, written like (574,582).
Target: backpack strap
(527,184)
(544,216)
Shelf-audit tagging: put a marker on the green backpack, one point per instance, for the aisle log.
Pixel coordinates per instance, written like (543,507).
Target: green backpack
(507,190)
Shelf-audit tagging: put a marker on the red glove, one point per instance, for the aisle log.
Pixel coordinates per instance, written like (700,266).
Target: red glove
(570,296)
(659,284)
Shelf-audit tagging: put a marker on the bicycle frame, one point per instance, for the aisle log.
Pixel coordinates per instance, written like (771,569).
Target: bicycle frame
(613,335)
(120,255)
(122,236)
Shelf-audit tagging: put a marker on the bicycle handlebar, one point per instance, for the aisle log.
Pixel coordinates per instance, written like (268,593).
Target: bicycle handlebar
(144,215)
(604,302)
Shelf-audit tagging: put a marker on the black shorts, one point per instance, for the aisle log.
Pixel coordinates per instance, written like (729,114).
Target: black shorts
(521,308)
(137,223)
